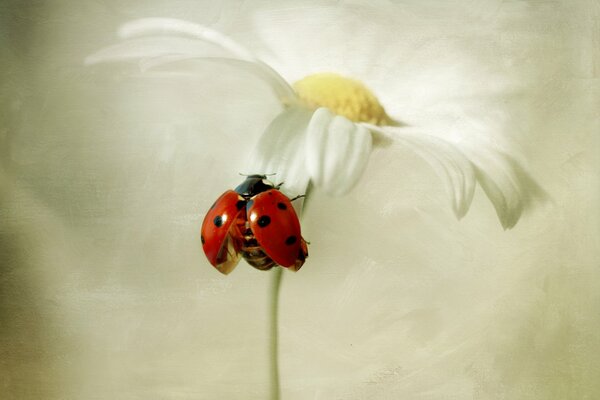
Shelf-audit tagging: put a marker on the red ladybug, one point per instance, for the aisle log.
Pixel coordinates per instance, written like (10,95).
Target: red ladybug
(255,221)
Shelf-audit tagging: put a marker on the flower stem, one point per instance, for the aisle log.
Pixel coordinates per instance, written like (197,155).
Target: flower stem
(276,276)
(275,392)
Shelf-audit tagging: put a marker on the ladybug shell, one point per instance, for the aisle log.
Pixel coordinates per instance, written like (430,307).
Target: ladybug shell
(275,225)
(220,239)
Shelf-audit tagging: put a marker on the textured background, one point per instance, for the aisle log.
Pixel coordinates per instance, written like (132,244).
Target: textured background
(106,173)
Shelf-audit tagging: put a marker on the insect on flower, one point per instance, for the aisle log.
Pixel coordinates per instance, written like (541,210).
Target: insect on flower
(257,222)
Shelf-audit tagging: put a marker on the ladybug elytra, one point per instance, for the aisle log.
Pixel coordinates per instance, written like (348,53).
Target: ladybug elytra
(255,221)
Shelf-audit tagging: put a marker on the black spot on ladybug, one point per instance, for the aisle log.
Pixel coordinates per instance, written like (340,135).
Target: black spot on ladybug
(240,204)
(290,240)
(202,238)
(218,221)
(264,221)
(281,206)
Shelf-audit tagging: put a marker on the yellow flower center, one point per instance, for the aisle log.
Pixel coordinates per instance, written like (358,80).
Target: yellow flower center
(343,96)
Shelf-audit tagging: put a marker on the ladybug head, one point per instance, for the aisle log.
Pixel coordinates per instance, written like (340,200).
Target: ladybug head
(253,185)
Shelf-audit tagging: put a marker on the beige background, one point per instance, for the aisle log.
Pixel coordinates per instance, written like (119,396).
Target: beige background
(106,174)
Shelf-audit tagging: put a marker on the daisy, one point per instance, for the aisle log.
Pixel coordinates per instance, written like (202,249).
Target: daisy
(329,124)
(327,129)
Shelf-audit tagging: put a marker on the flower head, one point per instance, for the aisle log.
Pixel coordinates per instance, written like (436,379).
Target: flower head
(330,123)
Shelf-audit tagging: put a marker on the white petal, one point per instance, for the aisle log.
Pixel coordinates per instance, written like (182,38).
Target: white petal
(446,159)
(141,48)
(506,183)
(165,26)
(510,188)
(204,44)
(337,151)
(280,151)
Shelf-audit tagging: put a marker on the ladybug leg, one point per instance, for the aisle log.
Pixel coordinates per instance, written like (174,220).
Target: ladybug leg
(298,197)
(279,185)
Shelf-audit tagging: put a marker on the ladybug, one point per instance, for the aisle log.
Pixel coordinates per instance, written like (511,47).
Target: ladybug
(255,221)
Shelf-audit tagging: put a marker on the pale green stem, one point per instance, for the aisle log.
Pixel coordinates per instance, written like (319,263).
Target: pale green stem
(275,392)
(277,274)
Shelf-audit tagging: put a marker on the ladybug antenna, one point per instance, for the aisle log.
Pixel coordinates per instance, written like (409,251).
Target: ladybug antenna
(298,197)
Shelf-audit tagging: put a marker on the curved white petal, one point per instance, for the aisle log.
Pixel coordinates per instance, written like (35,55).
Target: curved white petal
(337,151)
(202,43)
(505,182)
(510,188)
(149,47)
(167,26)
(280,151)
(444,157)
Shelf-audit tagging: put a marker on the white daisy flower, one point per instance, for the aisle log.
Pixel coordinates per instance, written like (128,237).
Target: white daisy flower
(331,123)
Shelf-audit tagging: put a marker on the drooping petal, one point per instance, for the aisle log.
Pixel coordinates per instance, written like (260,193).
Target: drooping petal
(280,151)
(510,188)
(200,43)
(506,183)
(151,47)
(171,26)
(444,157)
(337,151)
